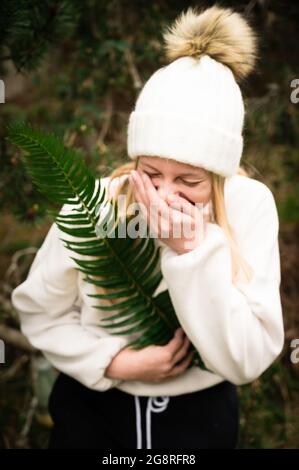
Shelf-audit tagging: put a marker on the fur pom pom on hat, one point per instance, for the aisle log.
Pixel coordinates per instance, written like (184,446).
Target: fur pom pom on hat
(192,110)
(220,33)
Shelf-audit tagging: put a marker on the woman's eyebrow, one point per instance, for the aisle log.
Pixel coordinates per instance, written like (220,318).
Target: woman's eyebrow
(192,174)
(147,164)
(181,174)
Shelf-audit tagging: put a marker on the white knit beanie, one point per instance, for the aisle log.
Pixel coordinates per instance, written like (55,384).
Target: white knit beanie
(192,110)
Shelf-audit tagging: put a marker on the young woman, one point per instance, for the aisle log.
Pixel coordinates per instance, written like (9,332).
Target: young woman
(185,142)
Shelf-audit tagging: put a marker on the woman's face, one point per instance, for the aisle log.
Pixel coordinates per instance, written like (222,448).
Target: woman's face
(172,177)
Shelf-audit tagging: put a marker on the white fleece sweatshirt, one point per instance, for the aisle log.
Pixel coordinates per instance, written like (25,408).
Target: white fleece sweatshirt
(237,328)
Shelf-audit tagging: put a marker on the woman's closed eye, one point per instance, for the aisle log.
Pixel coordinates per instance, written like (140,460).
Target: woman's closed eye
(151,174)
(187,183)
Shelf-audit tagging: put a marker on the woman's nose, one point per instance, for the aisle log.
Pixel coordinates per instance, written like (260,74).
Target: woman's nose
(165,190)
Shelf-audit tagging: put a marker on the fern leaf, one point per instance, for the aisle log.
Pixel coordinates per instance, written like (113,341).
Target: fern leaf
(125,267)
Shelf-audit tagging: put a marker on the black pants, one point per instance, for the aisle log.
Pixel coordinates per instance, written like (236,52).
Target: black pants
(88,419)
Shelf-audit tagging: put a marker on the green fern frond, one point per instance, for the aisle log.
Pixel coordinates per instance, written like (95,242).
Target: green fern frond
(125,267)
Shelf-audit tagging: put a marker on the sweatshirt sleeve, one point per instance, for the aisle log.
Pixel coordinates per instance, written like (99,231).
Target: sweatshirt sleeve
(50,319)
(237,328)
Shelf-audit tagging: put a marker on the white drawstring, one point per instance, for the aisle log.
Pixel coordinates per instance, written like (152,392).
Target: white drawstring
(161,406)
(138,422)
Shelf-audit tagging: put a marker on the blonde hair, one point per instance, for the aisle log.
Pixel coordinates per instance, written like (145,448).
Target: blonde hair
(218,215)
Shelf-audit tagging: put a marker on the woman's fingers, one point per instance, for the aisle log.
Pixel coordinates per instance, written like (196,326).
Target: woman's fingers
(180,368)
(200,210)
(157,209)
(137,189)
(181,353)
(140,186)
(160,213)
(139,197)
(156,202)
(149,188)
(176,342)
(175,218)
(178,203)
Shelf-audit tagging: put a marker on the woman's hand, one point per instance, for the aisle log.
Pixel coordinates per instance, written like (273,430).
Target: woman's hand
(152,363)
(176,222)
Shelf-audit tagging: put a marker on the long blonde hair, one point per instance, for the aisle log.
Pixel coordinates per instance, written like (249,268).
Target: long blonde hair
(218,216)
